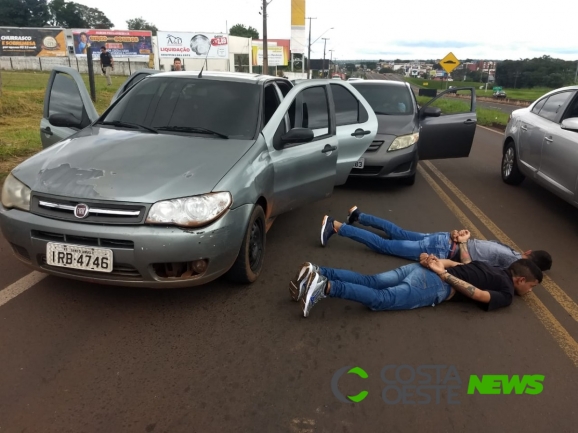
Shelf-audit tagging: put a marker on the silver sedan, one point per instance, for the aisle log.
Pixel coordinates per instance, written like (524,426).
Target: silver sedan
(541,143)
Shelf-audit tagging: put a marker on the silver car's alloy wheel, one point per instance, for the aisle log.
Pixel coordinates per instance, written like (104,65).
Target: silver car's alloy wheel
(508,163)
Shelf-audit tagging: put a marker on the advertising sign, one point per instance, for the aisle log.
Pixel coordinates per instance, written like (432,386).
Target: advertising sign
(298,40)
(31,42)
(120,43)
(193,45)
(278,53)
(276,56)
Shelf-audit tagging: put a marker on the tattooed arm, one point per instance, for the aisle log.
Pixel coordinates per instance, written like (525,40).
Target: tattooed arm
(464,253)
(461,286)
(465,288)
(463,237)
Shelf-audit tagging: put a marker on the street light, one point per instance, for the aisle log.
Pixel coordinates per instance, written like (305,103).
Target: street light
(330,61)
(309,46)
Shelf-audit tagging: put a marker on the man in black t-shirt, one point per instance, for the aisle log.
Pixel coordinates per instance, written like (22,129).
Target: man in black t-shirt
(430,282)
(106,64)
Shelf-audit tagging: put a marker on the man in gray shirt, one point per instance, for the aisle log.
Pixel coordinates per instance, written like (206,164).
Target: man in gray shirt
(409,245)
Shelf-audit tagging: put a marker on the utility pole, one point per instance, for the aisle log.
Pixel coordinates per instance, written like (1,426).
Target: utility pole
(309,49)
(330,61)
(324,45)
(265,44)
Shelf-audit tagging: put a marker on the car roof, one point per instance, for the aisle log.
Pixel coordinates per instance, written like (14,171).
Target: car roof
(382,82)
(241,77)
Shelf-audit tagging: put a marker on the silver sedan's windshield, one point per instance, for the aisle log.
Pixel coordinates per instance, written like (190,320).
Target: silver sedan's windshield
(197,106)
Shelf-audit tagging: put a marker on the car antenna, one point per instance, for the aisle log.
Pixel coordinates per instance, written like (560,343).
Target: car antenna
(201,73)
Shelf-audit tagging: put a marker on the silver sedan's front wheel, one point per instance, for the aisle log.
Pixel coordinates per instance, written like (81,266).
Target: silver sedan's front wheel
(510,172)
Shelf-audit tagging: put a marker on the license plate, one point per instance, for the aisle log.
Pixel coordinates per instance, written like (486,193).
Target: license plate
(360,163)
(79,257)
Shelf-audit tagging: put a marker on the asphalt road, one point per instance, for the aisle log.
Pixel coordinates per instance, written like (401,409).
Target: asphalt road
(506,108)
(221,358)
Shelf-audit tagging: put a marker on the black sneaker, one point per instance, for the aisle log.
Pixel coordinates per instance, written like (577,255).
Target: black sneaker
(326,229)
(353,215)
(297,286)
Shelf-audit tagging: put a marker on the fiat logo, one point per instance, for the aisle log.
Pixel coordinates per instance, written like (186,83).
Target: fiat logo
(81,211)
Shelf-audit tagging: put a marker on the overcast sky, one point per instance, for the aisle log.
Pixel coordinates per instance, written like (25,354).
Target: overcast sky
(374,29)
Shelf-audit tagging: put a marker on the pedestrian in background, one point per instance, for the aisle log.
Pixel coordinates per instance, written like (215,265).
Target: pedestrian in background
(106,64)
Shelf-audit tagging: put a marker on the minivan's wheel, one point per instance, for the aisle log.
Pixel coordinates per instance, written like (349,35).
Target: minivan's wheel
(510,172)
(249,263)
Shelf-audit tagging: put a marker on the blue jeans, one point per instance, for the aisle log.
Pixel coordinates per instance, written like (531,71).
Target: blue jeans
(402,243)
(411,286)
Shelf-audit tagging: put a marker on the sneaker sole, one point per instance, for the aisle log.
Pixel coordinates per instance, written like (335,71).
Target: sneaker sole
(353,209)
(295,285)
(306,300)
(323,225)
(294,291)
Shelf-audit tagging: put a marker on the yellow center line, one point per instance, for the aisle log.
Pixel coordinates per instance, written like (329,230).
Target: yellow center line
(556,291)
(562,337)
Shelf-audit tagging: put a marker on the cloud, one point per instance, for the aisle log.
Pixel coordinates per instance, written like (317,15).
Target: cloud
(555,50)
(435,44)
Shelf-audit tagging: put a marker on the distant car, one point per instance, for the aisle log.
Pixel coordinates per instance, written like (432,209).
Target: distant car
(541,143)
(177,182)
(355,79)
(499,94)
(408,133)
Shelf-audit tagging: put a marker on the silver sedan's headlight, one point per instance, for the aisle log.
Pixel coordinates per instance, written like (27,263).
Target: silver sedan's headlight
(15,194)
(403,141)
(190,211)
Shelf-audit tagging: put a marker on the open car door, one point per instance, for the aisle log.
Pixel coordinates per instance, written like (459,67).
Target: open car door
(134,78)
(303,146)
(448,124)
(356,127)
(66,97)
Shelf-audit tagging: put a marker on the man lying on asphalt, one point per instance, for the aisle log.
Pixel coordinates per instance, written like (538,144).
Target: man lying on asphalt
(429,282)
(409,245)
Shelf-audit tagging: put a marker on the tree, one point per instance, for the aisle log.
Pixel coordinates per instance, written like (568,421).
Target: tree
(73,15)
(24,13)
(141,24)
(371,65)
(386,71)
(244,32)
(350,67)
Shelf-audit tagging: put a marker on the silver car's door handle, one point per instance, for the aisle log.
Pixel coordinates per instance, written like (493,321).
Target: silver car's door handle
(523,128)
(47,131)
(469,122)
(549,139)
(328,148)
(360,133)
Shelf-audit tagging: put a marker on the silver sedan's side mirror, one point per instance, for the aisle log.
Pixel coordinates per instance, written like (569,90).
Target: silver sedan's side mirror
(570,124)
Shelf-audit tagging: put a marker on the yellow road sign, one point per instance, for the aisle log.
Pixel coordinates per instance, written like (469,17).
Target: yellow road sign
(449,63)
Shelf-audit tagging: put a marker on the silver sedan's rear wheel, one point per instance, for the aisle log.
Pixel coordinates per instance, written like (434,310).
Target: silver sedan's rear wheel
(510,172)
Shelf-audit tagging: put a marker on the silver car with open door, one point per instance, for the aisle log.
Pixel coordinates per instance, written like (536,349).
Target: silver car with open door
(408,133)
(178,181)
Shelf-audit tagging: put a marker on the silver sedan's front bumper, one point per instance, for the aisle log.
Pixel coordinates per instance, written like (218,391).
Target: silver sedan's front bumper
(135,248)
(384,164)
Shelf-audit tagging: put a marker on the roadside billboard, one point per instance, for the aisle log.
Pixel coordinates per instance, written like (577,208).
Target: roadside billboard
(196,45)
(120,43)
(277,54)
(30,42)
(298,39)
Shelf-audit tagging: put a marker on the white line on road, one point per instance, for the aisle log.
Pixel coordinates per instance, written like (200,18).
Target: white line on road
(490,129)
(20,286)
